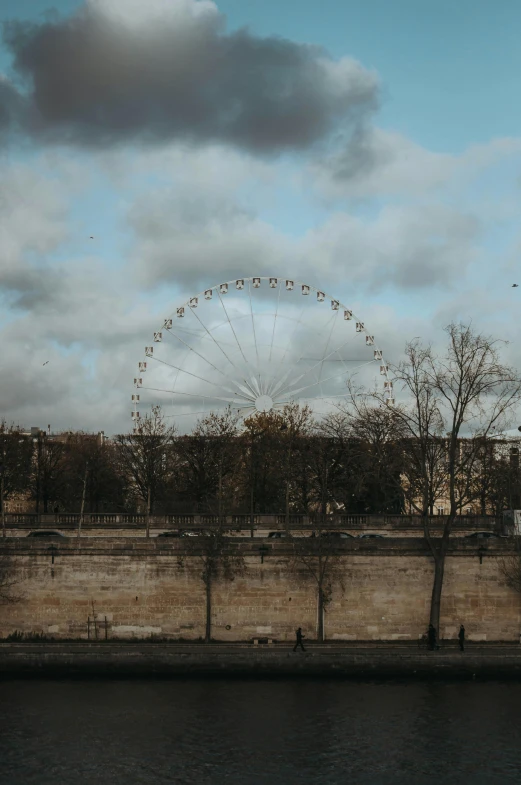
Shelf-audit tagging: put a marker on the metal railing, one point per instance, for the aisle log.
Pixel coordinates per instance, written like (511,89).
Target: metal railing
(243,521)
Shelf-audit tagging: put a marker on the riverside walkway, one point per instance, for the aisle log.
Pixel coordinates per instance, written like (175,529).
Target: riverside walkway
(355,660)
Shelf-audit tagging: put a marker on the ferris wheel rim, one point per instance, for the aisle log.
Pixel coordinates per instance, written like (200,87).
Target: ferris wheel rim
(290,284)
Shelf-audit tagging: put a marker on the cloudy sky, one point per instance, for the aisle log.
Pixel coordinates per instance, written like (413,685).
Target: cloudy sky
(149,150)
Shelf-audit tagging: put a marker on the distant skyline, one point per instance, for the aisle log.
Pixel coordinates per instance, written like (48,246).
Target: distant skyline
(150,150)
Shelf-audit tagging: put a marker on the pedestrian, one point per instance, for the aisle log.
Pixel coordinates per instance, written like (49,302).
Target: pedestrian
(299,640)
(461,636)
(431,637)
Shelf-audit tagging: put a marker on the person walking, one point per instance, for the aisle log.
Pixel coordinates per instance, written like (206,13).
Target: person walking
(461,636)
(431,637)
(299,640)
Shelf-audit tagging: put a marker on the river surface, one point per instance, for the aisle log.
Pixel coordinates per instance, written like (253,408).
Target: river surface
(259,732)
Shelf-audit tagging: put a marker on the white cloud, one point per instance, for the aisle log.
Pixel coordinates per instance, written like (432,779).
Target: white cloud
(379,163)
(33,223)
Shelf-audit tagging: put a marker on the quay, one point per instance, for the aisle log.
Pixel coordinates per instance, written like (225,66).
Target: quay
(195,660)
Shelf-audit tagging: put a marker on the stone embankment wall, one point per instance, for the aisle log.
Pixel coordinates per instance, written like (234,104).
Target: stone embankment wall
(381,591)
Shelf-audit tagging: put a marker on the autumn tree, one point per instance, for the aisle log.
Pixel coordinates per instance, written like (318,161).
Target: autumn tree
(272,448)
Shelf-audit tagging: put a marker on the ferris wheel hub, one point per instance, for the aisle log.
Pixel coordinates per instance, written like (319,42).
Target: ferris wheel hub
(264,403)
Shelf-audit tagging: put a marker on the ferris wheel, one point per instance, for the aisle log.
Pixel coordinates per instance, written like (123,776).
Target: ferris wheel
(255,345)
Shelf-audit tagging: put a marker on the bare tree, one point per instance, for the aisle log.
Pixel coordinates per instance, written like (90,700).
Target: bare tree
(47,476)
(8,581)
(465,391)
(147,457)
(15,464)
(376,439)
(91,474)
(320,558)
(218,558)
(510,567)
(208,461)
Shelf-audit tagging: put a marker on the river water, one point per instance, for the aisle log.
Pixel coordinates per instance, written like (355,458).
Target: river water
(259,732)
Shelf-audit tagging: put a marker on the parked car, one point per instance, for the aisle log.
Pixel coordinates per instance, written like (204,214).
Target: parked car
(371,536)
(336,535)
(169,534)
(45,533)
(481,535)
(196,533)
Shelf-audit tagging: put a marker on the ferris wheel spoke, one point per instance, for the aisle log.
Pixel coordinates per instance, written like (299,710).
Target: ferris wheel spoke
(253,327)
(192,395)
(277,386)
(189,373)
(192,310)
(274,324)
(321,361)
(323,397)
(334,321)
(298,321)
(247,390)
(205,359)
(318,333)
(335,376)
(185,414)
(233,330)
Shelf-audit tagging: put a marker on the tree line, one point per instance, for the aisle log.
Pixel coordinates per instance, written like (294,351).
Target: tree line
(440,440)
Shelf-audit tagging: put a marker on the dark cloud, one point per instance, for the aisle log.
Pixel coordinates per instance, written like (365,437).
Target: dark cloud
(12,107)
(98,78)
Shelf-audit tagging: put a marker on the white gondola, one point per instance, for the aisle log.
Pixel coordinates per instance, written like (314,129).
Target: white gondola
(158,337)
(378,354)
(390,402)
(383,370)
(335,305)
(223,288)
(138,382)
(388,385)
(305,288)
(290,285)
(135,398)
(321,297)
(208,294)
(239,283)
(194,302)
(348,315)
(142,366)
(135,415)
(256,283)
(167,324)
(273,283)
(149,351)
(180,312)
(369,340)
(359,327)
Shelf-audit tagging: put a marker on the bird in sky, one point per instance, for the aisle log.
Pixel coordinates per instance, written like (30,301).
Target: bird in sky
(92,237)
(46,362)
(514,285)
